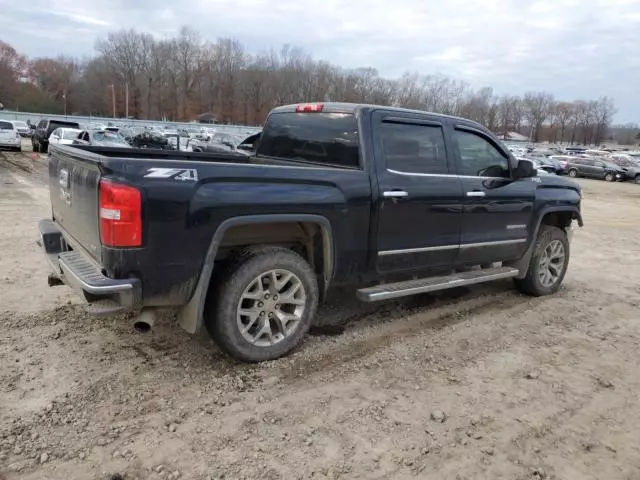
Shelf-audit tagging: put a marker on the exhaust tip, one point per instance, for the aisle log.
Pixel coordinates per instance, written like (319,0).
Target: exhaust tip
(142,327)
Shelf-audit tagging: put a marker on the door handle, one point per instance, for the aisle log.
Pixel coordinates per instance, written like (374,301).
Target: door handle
(395,194)
(476,193)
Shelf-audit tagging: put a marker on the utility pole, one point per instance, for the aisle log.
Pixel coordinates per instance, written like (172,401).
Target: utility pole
(126,102)
(113,99)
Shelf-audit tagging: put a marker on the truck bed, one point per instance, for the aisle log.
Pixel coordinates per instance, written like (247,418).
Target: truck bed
(186,197)
(156,154)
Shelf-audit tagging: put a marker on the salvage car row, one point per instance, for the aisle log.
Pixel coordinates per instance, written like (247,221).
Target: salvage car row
(581,162)
(62,132)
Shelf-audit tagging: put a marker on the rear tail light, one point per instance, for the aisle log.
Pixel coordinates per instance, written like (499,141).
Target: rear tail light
(309,107)
(120,215)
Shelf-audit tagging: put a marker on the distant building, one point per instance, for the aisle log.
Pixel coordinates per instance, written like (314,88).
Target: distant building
(208,117)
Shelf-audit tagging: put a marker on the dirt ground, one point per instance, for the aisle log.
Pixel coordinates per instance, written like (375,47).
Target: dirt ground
(480,383)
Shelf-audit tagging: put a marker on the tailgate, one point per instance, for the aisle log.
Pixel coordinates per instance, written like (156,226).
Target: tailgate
(73,186)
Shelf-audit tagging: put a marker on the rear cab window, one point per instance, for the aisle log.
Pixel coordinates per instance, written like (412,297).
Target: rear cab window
(320,138)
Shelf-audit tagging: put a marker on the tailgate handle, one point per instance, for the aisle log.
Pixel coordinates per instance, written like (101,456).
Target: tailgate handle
(476,193)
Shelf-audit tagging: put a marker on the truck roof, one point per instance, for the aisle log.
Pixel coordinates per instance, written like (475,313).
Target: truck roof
(344,107)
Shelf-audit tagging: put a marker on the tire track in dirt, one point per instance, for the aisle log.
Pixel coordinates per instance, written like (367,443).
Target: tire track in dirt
(416,321)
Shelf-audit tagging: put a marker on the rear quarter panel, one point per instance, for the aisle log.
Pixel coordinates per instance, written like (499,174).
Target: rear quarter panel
(180,217)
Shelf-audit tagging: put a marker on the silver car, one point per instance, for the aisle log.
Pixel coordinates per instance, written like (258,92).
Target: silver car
(23,129)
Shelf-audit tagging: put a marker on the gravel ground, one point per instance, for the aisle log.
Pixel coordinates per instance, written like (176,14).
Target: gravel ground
(479,383)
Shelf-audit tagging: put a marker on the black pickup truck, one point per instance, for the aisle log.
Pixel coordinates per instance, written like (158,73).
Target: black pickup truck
(394,202)
(40,137)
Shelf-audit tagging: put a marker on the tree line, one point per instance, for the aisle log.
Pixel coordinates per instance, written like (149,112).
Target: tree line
(179,78)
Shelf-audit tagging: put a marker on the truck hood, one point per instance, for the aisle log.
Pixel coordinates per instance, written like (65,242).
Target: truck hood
(556,181)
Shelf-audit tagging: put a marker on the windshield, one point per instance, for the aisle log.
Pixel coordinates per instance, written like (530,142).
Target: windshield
(108,138)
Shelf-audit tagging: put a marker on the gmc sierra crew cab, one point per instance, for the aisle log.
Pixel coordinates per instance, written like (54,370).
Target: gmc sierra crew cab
(392,201)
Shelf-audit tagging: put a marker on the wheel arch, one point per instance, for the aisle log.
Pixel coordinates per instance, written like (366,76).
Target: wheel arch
(557,216)
(190,316)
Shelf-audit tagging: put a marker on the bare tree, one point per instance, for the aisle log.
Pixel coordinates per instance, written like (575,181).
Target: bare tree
(179,78)
(12,67)
(537,108)
(603,112)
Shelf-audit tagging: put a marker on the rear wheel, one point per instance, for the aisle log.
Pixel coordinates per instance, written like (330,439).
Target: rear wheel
(636,179)
(263,305)
(36,147)
(548,264)
(573,173)
(609,177)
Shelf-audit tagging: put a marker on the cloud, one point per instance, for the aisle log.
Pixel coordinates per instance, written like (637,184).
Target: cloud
(572,48)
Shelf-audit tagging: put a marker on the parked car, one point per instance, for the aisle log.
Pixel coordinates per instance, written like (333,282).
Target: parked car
(630,165)
(128,133)
(151,139)
(594,168)
(64,136)
(392,201)
(552,165)
(224,142)
(40,137)
(23,129)
(9,136)
(101,138)
(541,168)
(248,145)
(218,142)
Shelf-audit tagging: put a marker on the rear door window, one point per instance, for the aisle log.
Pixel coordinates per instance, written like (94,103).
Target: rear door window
(320,138)
(6,125)
(414,148)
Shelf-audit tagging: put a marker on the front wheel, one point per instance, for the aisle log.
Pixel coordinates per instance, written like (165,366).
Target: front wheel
(263,305)
(548,264)
(609,177)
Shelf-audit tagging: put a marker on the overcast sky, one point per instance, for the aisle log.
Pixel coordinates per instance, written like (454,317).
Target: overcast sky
(572,48)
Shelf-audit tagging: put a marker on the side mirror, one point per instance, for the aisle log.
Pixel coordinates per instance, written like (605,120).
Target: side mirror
(525,169)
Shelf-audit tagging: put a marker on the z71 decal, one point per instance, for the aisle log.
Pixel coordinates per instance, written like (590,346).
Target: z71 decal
(182,174)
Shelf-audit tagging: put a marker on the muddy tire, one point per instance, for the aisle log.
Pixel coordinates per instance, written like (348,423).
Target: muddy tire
(548,264)
(263,304)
